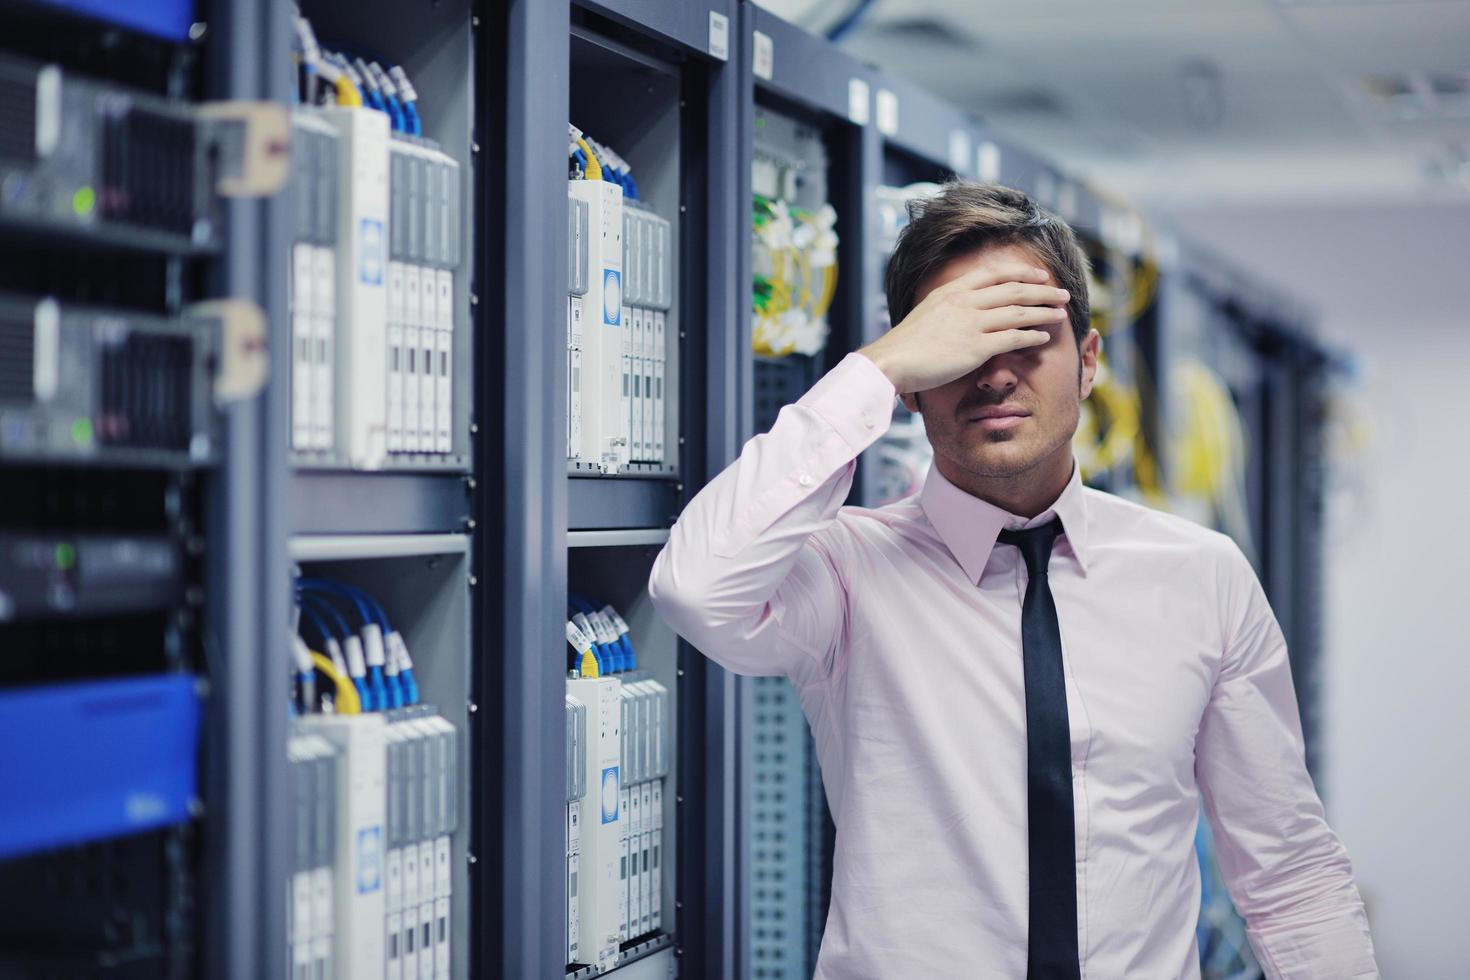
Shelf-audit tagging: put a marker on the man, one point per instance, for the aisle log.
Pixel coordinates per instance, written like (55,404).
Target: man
(1019,687)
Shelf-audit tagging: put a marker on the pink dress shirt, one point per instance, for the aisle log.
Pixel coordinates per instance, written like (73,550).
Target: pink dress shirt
(901,630)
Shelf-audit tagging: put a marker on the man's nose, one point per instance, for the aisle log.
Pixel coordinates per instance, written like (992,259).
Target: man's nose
(998,374)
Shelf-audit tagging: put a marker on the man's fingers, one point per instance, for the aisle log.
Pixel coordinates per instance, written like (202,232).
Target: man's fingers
(994,276)
(1019,317)
(1011,294)
(1004,341)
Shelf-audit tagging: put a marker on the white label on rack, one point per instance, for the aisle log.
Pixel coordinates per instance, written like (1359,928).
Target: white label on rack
(719,36)
(887,112)
(959,150)
(987,162)
(765,56)
(857,101)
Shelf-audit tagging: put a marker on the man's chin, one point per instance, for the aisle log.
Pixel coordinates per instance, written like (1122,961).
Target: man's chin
(1000,457)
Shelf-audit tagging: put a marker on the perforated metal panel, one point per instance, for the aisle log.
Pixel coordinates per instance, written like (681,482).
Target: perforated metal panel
(780,845)
(779,383)
(1224,951)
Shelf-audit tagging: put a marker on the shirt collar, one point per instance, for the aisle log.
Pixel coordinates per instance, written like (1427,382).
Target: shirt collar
(970,526)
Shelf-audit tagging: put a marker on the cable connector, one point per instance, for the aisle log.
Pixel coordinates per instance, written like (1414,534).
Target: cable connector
(581,641)
(398,654)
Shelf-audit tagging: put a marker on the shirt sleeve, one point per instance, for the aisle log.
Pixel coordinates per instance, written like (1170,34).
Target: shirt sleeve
(743,576)
(1285,869)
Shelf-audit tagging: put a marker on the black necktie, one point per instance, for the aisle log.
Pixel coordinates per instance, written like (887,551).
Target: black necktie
(1052,948)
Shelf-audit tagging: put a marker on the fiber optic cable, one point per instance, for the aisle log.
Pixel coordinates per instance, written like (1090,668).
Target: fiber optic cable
(372,94)
(372,638)
(349,87)
(349,650)
(408,98)
(612,651)
(305,676)
(390,95)
(625,635)
(594,169)
(333,648)
(347,700)
(600,652)
(346,92)
(581,642)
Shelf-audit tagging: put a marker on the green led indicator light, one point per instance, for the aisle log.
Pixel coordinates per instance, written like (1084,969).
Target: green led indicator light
(66,556)
(81,432)
(83,201)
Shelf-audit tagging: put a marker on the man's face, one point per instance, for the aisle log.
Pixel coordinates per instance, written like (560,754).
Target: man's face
(1016,410)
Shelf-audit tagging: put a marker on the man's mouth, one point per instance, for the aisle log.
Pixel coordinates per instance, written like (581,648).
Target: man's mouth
(994,418)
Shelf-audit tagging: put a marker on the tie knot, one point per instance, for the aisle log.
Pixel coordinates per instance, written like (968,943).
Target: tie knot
(1035,544)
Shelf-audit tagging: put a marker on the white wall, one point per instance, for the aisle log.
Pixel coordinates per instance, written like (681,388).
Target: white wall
(1391,284)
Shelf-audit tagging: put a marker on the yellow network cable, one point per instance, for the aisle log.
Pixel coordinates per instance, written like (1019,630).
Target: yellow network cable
(347,701)
(1144,286)
(1211,449)
(589,664)
(594,169)
(1145,466)
(1109,430)
(347,93)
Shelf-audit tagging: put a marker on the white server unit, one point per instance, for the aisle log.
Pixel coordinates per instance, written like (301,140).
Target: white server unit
(649,294)
(576,316)
(604,407)
(424,187)
(313,281)
(310,900)
(576,791)
(601,824)
(397,353)
(422,808)
(362,276)
(360,816)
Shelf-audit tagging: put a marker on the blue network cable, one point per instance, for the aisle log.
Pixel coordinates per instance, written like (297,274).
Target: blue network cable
(621,653)
(316,603)
(399,685)
(606,662)
(379,695)
(409,98)
(390,94)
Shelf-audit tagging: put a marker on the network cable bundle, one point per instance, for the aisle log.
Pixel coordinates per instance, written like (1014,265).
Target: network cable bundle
(621,290)
(377,246)
(397,796)
(794,251)
(619,717)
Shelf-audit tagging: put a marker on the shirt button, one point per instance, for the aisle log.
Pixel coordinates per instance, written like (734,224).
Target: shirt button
(868,419)
(805,480)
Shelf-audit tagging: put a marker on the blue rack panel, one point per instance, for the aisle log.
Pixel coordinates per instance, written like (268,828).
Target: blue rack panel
(81,762)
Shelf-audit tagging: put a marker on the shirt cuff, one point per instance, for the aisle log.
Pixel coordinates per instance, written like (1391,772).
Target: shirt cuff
(855,399)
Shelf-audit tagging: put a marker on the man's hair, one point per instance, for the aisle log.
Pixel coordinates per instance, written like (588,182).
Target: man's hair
(968,217)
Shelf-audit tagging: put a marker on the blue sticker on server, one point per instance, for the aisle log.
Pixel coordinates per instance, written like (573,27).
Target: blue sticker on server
(370,248)
(612,297)
(369,859)
(610,794)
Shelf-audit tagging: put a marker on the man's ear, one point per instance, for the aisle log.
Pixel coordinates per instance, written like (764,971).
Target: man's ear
(910,402)
(1091,346)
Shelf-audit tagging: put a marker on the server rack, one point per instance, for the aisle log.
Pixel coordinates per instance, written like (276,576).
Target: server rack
(659,85)
(203,891)
(475,555)
(814,94)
